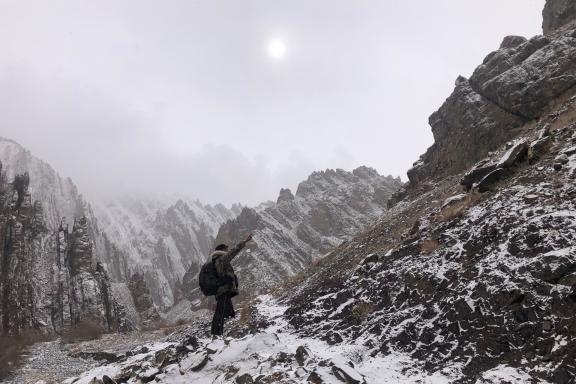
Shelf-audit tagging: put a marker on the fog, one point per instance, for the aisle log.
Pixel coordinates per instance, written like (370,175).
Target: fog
(184,97)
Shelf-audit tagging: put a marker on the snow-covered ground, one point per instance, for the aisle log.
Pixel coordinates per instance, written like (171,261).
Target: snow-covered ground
(277,354)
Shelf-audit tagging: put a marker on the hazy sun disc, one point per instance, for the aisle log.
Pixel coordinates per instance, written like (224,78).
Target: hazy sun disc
(277,49)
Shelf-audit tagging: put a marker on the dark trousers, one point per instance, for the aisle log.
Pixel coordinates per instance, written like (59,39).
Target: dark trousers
(224,310)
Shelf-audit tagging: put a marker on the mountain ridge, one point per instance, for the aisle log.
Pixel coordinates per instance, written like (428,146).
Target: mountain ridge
(469,277)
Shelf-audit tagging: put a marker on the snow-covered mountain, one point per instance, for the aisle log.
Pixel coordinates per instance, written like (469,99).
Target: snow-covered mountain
(156,238)
(59,196)
(162,240)
(469,278)
(327,209)
(49,277)
(61,202)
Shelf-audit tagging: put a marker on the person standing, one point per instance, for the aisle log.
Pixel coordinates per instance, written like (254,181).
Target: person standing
(221,259)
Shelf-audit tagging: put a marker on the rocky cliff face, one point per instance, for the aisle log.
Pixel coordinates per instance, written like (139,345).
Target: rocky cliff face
(61,201)
(327,209)
(143,299)
(48,279)
(557,14)
(162,241)
(148,237)
(514,85)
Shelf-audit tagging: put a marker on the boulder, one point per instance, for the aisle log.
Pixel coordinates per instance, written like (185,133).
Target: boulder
(372,258)
(562,159)
(347,374)
(568,280)
(194,362)
(315,378)
(148,374)
(531,198)
(537,148)
(107,380)
(570,151)
(302,355)
(512,41)
(492,178)
(514,155)
(244,379)
(477,173)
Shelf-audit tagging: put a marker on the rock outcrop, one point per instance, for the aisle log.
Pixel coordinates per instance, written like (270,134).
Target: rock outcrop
(60,199)
(514,85)
(143,299)
(48,279)
(558,13)
(466,120)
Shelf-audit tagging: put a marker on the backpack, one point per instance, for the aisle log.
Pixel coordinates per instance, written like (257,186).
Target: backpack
(209,279)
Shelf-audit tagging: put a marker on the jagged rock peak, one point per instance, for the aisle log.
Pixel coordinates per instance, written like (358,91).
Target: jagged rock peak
(285,195)
(512,41)
(323,180)
(328,208)
(80,258)
(48,279)
(558,13)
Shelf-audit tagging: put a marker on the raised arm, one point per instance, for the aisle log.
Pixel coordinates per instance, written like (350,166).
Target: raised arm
(237,249)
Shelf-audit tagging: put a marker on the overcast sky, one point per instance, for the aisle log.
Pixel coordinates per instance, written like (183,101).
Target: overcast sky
(185,96)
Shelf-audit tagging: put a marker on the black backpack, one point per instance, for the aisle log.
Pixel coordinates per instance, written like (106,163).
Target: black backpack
(209,279)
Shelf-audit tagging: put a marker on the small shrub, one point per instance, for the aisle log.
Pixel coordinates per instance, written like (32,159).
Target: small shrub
(83,331)
(13,347)
(457,208)
(246,314)
(155,325)
(429,245)
(181,322)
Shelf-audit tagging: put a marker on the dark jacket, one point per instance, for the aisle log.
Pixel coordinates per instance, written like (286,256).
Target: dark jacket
(222,261)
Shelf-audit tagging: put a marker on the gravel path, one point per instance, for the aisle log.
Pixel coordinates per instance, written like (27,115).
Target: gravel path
(52,361)
(49,362)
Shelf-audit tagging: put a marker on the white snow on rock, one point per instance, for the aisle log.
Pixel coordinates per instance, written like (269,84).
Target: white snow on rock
(504,373)
(261,354)
(162,239)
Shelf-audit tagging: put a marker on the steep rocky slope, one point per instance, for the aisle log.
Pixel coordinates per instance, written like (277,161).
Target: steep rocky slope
(327,209)
(161,240)
(474,269)
(469,278)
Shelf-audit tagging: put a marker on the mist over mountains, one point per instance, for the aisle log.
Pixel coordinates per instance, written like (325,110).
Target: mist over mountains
(465,274)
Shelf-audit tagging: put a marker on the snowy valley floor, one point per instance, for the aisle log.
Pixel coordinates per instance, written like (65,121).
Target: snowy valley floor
(273,355)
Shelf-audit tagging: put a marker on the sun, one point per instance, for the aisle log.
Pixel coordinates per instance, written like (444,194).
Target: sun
(277,49)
